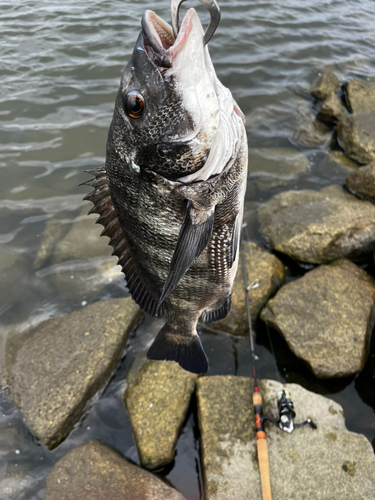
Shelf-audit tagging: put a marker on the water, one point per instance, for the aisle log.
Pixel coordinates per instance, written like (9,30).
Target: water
(60,66)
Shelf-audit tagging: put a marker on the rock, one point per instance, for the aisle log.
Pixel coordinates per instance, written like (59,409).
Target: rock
(335,167)
(52,234)
(63,362)
(83,240)
(321,464)
(312,133)
(319,226)
(93,471)
(325,85)
(271,167)
(341,159)
(13,270)
(356,135)
(362,181)
(157,404)
(326,318)
(267,273)
(332,110)
(360,96)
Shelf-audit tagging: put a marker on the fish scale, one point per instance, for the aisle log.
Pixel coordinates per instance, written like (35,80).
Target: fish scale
(176,239)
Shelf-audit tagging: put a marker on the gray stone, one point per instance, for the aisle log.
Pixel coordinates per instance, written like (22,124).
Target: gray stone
(325,85)
(271,167)
(321,464)
(93,471)
(326,318)
(51,235)
(362,181)
(335,166)
(341,159)
(332,110)
(356,135)
(319,226)
(64,361)
(267,274)
(361,96)
(157,404)
(13,269)
(312,133)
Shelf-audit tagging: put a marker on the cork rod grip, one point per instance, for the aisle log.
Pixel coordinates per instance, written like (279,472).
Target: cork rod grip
(264,469)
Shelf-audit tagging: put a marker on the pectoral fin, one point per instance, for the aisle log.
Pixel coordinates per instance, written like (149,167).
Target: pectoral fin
(195,233)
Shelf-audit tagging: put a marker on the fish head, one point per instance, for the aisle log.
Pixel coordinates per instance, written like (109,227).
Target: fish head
(167,111)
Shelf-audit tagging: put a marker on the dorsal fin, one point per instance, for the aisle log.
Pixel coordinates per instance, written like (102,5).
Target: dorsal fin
(103,206)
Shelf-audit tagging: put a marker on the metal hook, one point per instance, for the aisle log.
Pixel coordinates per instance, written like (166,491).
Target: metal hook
(211,6)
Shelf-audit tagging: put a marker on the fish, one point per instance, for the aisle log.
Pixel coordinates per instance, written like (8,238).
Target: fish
(171,194)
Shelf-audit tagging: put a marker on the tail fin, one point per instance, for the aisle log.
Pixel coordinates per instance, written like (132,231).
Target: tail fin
(186,350)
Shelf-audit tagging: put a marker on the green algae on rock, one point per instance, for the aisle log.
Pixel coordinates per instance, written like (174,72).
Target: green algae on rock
(94,471)
(157,404)
(267,273)
(64,361)
(305,464)
(326,318)
(319,226)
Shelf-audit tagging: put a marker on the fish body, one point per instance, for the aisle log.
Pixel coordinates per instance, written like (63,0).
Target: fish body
(172,192)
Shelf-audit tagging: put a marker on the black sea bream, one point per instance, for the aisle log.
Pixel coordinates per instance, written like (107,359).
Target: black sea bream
(172,191)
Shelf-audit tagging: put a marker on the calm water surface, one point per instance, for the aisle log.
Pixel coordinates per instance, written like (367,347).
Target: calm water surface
(60,64)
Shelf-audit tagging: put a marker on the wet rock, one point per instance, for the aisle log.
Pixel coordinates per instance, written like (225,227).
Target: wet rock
(335,167)
(312,133)
(93,471)
(267,274)
(362,181)
(157,404)
(332,110)
(13,273)
(64,361)
(52,234)
(271,167)
(309,463)
(325,85)
(341,159)
(319,226)
(360,96)
(326,317)
(356,135)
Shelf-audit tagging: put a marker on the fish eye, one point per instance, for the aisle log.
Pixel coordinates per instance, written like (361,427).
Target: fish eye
(134,104)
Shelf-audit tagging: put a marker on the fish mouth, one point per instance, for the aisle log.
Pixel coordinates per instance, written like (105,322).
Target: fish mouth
(160,44)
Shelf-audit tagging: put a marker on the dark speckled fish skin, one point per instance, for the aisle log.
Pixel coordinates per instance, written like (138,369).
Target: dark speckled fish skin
(149,208)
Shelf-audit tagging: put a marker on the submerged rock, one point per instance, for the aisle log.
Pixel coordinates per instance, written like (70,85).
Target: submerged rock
(325,85)
(64,361)
(360,96)
(319,226)
(312,133)
(157,404)
(93,471)
(267,274)
(13,272)
(332,110)
(326,318)
(271,167)
(321,464)
(362,181)
(356,135)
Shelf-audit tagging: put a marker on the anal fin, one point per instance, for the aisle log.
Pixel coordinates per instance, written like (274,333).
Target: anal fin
(221,312)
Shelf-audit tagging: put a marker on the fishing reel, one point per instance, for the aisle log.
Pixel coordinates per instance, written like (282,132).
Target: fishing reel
(287,414)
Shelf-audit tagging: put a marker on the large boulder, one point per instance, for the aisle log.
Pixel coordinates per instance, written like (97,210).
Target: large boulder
(157,403)
(63,362)
(362,181)
(93,471)
(360,96)
(325,85)
(326,317)
(319,226)
(356,135)
(271,167)
(332,110)
(321,464)
(266,273)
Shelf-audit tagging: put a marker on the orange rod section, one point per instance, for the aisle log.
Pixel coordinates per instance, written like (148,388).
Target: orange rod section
(263,461)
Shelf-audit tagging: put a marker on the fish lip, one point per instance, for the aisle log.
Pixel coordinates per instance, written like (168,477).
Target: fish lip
(160,44)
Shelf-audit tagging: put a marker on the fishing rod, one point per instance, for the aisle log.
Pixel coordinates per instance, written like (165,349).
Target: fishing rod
(284,403)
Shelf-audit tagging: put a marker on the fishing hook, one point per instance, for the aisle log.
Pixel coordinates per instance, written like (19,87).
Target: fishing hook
(211,6)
